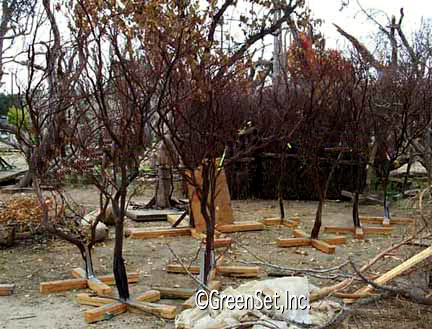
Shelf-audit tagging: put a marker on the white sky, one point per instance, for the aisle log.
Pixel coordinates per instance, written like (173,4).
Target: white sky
(351,19)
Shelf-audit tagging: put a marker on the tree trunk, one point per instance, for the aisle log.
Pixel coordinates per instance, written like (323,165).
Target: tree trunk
(387,215)
(25,181)
(317,224)
(163,188)
(88,261)
(119,268)
(370,172)
(356,218)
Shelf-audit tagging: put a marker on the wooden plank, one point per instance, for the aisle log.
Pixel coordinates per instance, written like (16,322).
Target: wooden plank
(175,293)
(336,240)
(133,277)
(62,285)
(339,229)
(151,215)
(158,233)
(220,243)
(98,286)
(6,289)
(164,311)
(88,299)
(293,242)
(79,273)
(378,230)
(243,227)
(398,270)
(177,268)
(239,271)
(278,221)
(323,246)
(105,312)
(393,221)
(300,234)
(148,296)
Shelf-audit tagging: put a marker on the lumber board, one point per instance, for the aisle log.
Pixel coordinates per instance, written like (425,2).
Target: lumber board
(293,242)
(177,268)
(133,277)
(104,312)
(164,311)
(282,222)
(151,215)
(223,242)
(239,271)
(339,229)
(62,285)
(197,235)
(88,299)
(148,296)
(243,227)
(98,286)
(335,240)
(323,246)
(79,273)
(175,293)
(378,230)
(6,289)
(158,233)
(398,270)
(393,221)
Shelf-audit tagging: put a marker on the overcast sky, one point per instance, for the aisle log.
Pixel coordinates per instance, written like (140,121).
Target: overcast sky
(351,19)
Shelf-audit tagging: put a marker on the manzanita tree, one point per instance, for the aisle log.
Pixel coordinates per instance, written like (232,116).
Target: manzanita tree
(321,77)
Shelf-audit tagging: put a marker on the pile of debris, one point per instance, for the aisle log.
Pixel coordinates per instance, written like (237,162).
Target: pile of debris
(17,216)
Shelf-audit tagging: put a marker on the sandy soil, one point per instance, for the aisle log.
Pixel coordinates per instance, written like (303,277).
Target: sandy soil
(31,262)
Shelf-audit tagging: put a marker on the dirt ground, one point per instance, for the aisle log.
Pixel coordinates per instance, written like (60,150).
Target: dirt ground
(31,262)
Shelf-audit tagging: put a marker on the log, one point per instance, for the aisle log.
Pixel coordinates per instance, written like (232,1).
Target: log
(6,289)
